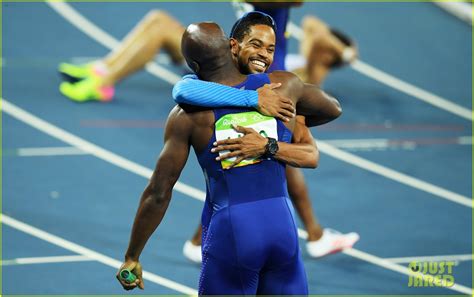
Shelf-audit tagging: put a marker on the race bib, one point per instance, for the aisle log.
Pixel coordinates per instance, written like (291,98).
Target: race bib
(266,126)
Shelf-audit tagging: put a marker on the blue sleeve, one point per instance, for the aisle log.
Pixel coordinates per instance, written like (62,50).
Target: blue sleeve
(191,90)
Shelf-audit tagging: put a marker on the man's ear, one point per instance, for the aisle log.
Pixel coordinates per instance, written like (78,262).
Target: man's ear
(195,66)
(234,47)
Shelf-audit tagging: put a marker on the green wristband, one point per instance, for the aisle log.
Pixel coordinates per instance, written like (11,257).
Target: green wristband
(127,276)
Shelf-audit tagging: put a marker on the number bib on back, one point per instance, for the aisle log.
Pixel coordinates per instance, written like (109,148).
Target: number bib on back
(266,126)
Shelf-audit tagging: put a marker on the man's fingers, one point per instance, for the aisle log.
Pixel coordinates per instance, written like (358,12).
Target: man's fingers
(141,284)
(237,161)
(242,129)
(226,147)
(286,100)
(282,117)
(128,286)
(288,106)
(229,155)
(227,142)
(287,114)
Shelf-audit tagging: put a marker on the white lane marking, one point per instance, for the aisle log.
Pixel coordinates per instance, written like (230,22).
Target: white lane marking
(399,268)
(398,84)
(45,260)
(412,90)
(465,140)
(377,261)
(385,143)
(456,258)
(128,165)
(102,37)
(89,147)
(76,19)
(91,254)
(461,10)
(49,151)
(393,175)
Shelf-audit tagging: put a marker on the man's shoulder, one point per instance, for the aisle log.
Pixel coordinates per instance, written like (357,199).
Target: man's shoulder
(287,79)
(279,76)
(191,114)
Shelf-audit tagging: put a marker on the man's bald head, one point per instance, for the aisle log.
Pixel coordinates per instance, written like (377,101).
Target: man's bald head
(205,47)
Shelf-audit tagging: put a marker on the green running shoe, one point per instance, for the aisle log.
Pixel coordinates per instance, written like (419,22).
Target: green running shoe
(88,89)
(74,73)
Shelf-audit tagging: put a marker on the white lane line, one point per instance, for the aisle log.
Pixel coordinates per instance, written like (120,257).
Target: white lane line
(412,90)
(76,248)
(465,140)
(45,260)
(102,37)
(381,262)
(385,143)
(399,268)
(385,78)
(456,258)
(128,165)
(77,19)
(89,147)
(394,175)
(461,10)
(49,151)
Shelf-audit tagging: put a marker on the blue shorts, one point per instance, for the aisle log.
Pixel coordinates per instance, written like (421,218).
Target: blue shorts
(252,248)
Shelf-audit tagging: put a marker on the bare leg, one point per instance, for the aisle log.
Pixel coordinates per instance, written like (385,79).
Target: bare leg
(157,30)
(299,195)
(197,237)
(321,49)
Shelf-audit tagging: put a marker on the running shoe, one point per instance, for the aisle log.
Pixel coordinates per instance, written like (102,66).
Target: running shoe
(90,88)
(73,73)
(192,252)
(331,242)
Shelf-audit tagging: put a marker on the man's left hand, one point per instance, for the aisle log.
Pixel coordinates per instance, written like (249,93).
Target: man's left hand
(250,145)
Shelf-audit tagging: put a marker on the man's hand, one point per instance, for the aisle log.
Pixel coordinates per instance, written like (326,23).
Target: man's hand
(271,103)
(136,268)
(251,145)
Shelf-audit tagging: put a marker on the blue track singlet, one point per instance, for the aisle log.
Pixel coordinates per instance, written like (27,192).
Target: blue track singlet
(250,242)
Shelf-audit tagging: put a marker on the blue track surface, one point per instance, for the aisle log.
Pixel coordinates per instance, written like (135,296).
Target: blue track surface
(92,203)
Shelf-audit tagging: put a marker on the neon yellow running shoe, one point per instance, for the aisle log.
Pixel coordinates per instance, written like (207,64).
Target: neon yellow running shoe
(88,89)
(74,73)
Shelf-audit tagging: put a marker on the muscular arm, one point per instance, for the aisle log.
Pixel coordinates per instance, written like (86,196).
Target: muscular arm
(157,195)
(326,108)
(190,90)
(193,91)
(302,150)
(311,102)
(252,144)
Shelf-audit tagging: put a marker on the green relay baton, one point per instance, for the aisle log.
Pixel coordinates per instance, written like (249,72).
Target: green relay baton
(127,276)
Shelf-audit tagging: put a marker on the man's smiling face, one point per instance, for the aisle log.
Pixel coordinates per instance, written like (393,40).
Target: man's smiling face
(254,54)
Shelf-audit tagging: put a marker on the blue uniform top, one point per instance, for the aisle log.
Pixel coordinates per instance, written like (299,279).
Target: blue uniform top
(248,183)
(249,237)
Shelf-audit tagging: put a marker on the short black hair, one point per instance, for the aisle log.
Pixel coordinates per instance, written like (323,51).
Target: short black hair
(243,25)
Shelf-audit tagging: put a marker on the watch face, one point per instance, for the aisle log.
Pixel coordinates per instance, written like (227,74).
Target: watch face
(272,146)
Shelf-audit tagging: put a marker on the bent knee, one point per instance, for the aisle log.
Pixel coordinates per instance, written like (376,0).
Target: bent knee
(157,15)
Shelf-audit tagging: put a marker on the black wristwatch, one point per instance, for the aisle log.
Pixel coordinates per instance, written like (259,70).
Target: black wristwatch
(271,148)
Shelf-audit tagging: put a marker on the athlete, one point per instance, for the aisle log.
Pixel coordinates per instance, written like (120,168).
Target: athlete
(253,46)
(250,242)
(321,49)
